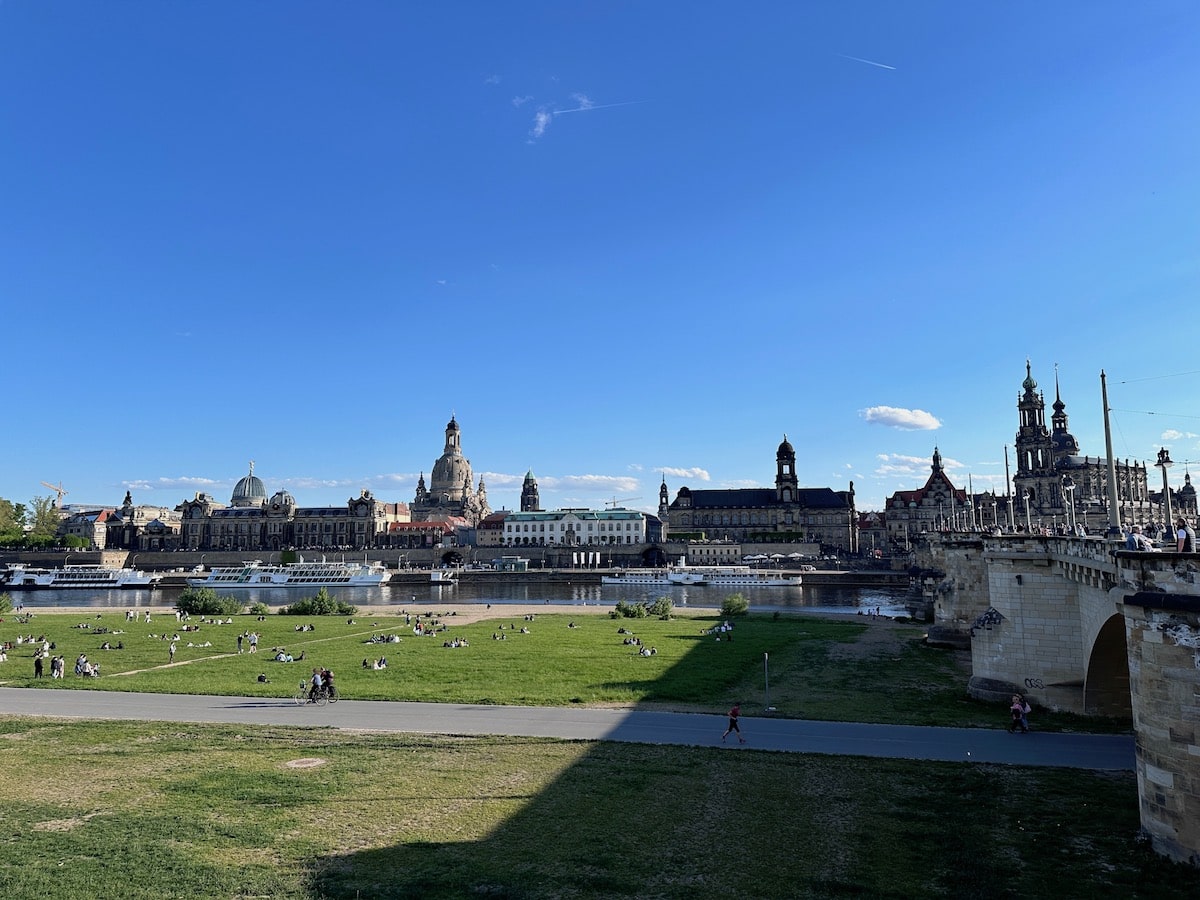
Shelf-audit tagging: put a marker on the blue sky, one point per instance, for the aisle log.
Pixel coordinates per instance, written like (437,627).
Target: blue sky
(613,239)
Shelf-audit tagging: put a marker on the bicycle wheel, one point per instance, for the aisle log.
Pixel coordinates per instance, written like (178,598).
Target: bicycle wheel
(301,696)
(333,695)
(322,697)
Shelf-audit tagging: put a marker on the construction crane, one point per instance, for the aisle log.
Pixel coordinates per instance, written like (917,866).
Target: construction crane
(614,503)
(58,489)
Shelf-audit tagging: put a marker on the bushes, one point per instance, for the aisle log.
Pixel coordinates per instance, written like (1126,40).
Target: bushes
(6,603)
(205,602)
(735,605)
(662,608)
(259,609)
(320,605)
(629,610)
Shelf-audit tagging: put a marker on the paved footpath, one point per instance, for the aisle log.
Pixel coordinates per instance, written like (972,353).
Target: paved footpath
(1080,751)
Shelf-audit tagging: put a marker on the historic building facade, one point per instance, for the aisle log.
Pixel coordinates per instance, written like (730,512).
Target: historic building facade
(450,492)
(574,528)
(935,506)
(1053,484)
(254,521)
(787,513)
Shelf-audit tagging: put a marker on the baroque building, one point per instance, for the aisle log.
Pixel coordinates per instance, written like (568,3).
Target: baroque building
(450,493)
(786,513)
(254,521)
(931,507)
(1054,484)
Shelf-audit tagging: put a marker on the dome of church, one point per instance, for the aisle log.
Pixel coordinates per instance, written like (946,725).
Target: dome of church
(249,491)
(785,448)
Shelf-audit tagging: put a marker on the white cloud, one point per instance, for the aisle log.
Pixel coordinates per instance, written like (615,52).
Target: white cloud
(622,484)
(896,465)
(521,101)
(694,472)
(182,482)
(582,101)
(541,121)
(1172,434)
(492,79)
(904,419)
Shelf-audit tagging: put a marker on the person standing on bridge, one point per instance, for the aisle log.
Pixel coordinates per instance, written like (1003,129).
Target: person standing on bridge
(1185,538)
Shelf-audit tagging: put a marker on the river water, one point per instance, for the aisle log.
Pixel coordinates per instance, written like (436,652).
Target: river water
(814,598)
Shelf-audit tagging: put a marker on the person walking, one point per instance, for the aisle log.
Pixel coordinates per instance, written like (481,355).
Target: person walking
(734,714)
(1017,712)
(171,652)
(240,637)
(37,666)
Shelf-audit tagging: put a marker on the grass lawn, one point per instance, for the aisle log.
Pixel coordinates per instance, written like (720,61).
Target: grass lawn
(840,670)
(157,811)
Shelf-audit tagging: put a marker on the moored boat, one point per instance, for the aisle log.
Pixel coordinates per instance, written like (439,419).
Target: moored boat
(253,574)
(20,577)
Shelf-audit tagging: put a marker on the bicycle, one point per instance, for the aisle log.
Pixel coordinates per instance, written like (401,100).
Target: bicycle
(304,695)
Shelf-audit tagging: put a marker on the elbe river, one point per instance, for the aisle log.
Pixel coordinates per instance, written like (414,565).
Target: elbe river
(811,598)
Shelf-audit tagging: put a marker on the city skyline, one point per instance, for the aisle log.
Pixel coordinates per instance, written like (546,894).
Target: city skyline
(613,242)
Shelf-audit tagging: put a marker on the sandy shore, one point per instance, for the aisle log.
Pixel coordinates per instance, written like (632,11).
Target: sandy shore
(464,613)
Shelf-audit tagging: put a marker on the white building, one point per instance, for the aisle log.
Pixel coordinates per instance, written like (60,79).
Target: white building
(574,528)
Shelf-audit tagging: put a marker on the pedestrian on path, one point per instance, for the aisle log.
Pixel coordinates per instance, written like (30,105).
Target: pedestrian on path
(1017,714)
(734,713)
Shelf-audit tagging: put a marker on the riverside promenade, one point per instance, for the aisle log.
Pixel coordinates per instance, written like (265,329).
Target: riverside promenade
(967,745)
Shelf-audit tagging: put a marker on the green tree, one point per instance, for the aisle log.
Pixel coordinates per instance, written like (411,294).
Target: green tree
(6,603)
(45,518)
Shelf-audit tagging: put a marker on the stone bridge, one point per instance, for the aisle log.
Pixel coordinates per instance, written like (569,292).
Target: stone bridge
(1085,626)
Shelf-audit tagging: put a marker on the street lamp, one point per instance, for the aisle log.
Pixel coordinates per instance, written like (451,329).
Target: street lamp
(1069,488)
(1164,463)
(1028,521)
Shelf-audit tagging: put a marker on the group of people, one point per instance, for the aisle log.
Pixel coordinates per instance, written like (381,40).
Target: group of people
(322,680)
(375,665)
(58,666)
(1183,536)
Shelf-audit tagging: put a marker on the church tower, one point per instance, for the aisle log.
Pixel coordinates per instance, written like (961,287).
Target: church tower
(787,484)
(529,494)
(1033,444)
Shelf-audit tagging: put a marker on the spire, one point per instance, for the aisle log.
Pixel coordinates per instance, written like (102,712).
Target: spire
(937,461)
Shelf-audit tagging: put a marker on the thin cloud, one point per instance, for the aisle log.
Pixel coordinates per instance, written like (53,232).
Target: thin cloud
(181,482)
(492,79)
(904,419)
(1172,435)
(869,62)
(694,472)
(623,484)
(546,114)
(518,102)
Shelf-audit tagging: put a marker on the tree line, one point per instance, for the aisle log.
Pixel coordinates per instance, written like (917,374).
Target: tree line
(29,527)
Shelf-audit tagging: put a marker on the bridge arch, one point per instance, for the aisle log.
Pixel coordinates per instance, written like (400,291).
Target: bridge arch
(1106,685)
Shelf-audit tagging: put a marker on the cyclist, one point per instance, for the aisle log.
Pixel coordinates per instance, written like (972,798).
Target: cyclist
(329,688)
(316,682)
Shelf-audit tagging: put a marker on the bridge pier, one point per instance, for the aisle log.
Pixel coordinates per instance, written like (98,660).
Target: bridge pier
(1164,665)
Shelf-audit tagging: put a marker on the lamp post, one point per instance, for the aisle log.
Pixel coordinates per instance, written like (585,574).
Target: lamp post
(1164,463)
(1028,521)
(1069,490)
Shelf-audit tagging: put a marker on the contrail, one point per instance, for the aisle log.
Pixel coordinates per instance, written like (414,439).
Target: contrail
(867,61)
(559,112)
